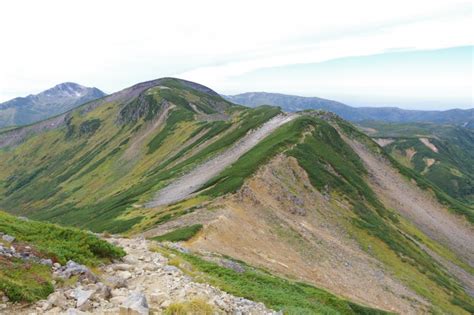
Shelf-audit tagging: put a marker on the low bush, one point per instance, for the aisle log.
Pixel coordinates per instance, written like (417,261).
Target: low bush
(181,234)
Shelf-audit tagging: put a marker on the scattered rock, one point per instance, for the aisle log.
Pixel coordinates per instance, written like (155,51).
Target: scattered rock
(125,287)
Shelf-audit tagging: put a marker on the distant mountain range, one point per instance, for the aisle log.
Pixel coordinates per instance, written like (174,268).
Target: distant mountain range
(293,103)
(54,101)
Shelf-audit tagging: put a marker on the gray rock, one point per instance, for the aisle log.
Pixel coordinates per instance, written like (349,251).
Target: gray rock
(135,303)
(124,274)
(57,299)
(72,269)
(229,264)
(73,311)
(103,291)
(123,267)
(47,262)
(170,269)
(116,282)
(82,296)
(8,238)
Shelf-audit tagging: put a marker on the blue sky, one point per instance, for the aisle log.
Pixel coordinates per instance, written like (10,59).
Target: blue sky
(411,54)
(427,79)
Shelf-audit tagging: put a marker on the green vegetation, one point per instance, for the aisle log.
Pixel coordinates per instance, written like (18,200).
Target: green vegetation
(28,281)
(452,168)
(455,146)
(21,281)
(176,117)
(88,127)
(276,293)
(333,167)
(180,234)
(232,178)
(59,243)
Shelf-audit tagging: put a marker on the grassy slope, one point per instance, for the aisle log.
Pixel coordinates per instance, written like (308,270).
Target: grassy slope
(78,175)
(332,165)
(27,281)
(258,285)
(180,234)
(453,171)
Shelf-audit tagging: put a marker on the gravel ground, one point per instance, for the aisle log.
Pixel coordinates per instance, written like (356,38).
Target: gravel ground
(189,183)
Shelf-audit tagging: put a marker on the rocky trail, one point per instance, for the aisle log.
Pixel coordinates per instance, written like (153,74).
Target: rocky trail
(192,181)
(143,283)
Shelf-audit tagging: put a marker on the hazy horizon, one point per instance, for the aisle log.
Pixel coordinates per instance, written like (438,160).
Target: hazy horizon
(400,54)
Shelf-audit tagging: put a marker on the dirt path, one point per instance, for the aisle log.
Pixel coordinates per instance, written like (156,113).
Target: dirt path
(189,183)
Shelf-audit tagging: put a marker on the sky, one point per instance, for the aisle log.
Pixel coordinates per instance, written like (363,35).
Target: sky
(411,54)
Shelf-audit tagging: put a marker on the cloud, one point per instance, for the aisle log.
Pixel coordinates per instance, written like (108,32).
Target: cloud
(430,33)
(114,44)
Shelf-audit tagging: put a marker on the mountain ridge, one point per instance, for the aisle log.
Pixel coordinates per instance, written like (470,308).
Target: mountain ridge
(356,114)
(308,200)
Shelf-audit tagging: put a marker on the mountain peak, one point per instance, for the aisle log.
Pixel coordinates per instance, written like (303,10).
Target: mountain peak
(56,100)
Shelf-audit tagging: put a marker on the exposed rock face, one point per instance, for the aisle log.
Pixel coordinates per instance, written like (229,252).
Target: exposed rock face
(279,206)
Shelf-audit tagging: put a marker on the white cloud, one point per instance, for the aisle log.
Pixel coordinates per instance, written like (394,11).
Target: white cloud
(113,44)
